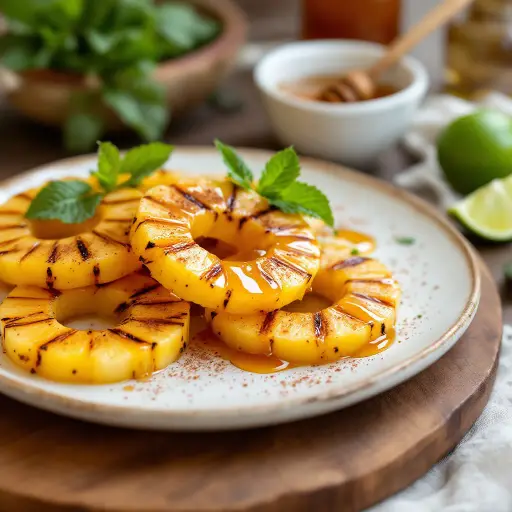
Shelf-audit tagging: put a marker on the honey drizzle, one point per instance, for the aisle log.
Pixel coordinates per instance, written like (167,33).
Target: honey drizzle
(267,364)
(363,243)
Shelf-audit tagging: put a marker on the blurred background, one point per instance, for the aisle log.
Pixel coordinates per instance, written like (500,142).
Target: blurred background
(218,105)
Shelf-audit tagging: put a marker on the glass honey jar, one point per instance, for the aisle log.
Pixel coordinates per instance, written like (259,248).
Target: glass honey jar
(479,50)
(369,20)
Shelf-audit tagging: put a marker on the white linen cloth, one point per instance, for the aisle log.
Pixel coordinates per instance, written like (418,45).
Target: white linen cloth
(477,475)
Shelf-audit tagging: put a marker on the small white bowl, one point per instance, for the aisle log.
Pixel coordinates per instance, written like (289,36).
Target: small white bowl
(353,133)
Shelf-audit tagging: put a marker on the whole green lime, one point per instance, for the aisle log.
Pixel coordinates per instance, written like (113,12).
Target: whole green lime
(476,149)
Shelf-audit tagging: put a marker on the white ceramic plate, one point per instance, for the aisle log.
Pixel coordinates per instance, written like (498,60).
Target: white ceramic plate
(441,286)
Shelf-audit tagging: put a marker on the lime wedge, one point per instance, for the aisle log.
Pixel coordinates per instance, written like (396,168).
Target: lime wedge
(487,212)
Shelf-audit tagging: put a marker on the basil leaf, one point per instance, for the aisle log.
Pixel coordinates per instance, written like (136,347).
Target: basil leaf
(68,201)
(280,172)
(238,171)
(143,160)
(81,131)
(307,199)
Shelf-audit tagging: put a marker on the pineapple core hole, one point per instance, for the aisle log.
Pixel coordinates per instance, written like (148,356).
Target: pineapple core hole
(91,322)
(84,311)
(311,303)
(55,229)
(229,252)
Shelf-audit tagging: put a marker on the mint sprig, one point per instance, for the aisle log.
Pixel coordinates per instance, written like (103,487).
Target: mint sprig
(278,183)
(238,171)
(74,201)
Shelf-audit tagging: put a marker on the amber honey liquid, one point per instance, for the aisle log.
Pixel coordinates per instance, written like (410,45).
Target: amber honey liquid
(309,88)
(266,364)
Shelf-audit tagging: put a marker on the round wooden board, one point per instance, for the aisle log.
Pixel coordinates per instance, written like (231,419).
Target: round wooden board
(346,461)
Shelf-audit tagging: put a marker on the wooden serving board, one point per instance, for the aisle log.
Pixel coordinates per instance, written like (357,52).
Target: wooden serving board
(344,461)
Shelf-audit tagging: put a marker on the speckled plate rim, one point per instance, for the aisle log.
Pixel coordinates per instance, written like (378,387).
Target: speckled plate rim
(359,391)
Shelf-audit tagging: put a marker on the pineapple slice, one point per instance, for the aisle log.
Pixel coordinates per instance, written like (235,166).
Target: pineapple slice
(152,333)
(99,254)
(171,218)
(364,297)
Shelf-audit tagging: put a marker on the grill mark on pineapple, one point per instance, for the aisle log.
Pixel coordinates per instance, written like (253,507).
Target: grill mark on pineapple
(12,240)
(267,277)
(191,199)
(50,279)
(52,257)
(11,212)
(9,251)
(227,298)
(284,264)
(212,272)
(340,310)
(266,326)
(128,336)
(24,195)
(20,225)
(350,262)
(298,252)
(30,251)
(96,273)
(155,220)
(123,220)
(120,201)
(373,299)
(23,324)
(320,325)
(254,216)
(156,302)
(109,239)
(232,199)
(178,247)
(60,337)
(25,298)
(82,249)
(157,321)
(9,320)
(160,202)
(144,290)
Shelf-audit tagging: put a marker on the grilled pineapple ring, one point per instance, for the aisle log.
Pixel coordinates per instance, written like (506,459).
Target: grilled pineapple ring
(100,254)
(152,333)
(364,298)
(169,220)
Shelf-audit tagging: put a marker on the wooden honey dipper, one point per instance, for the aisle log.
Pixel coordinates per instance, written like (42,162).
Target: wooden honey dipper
(360,84)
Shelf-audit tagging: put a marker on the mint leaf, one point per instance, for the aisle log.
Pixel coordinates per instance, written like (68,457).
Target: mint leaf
(303,198)
(144,160)
(109,162)
(238,171)
(280,172)
(81,131)
(70,201)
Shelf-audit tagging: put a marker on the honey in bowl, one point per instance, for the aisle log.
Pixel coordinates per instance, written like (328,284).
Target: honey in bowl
(309,88)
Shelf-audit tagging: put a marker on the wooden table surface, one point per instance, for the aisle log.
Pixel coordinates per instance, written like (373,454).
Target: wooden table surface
(24,145)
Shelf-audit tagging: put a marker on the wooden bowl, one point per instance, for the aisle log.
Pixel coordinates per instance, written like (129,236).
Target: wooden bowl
(45,95)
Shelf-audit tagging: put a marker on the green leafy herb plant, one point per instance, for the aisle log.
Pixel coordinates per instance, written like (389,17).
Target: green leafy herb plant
(114,44)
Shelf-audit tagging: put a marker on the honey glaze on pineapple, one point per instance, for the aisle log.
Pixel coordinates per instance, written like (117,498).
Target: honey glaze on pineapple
(363,243)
